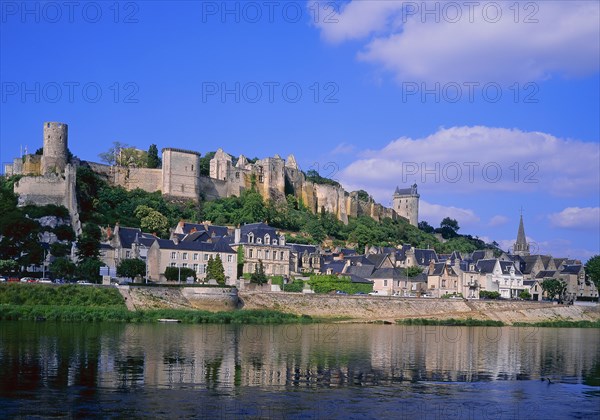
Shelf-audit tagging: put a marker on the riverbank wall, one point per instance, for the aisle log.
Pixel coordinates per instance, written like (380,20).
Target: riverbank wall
(379,308)
(202,298)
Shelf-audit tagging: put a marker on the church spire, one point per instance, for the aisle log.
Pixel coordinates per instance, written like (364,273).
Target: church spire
(521,247)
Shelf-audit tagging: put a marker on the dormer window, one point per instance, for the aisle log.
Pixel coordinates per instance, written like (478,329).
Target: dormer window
(274,241)
(259,240)
(267,239)
(250,238)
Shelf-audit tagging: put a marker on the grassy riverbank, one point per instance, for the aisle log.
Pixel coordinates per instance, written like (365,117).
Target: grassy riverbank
(76,303)
(119,314)
(469,322)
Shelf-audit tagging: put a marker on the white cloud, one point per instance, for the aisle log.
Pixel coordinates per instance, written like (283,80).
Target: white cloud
(498,220)
(434,213)
(474,159)
(343,149)
(443,46)
(577,218)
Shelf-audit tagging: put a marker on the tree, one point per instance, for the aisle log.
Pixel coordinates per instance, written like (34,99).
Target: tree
(131,267)
(8,266)
(62,268)
(205,163)
(240,261)
(89,269)
(152,220)
(123,155)
(592,270)
(177,273)
(215,270)
(426,227)
(413,271)
(554,288)
(259,276)
(88,245)
(362,195)
(524,295)
(153,159)
(448,228)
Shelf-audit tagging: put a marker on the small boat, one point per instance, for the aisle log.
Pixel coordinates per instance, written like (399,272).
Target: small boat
(168,320)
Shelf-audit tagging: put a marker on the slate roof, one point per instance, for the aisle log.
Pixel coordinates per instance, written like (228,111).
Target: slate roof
(218,246)
(406,191)
(486,266)
(387,273)
(571,269)
(505,267)
(420,278)
(360,270)
(423,256)
(359,260)
(347,252)
(545,274)
(477,255)
(298,248)
(376,259)
(529,282)
(358,279)
(127,236)
(198,236)
(259,230)
(200,227)
(336,267)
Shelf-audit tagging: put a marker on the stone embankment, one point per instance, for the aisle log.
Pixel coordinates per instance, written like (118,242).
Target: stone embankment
(374,308)
(204,298)
(352,308)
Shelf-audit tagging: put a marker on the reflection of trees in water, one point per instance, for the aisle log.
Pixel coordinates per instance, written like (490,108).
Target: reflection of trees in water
(212,368)
(130,370)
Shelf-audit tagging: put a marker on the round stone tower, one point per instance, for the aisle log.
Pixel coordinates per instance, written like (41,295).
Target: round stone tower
(406,204)
(54,158)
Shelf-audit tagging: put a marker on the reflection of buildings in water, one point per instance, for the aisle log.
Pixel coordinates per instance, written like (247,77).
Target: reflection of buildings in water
(225,356)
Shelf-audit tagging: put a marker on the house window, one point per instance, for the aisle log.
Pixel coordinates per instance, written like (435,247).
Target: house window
(205,257)
(266,254)
(259,254)
(385,283)
(173,255)
(184,265)
(250,253)
(202,269)
(455,284)
(274,255)
(281,255)
(196,268)
(127,254)
(443,283)
(195,256)
(185,256)
(173,264)
(230,258)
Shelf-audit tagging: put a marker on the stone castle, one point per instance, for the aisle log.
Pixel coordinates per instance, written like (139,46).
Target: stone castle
(50,179)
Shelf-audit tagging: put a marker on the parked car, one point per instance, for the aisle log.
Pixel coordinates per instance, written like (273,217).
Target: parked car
(360,293)
(28,280)
(85,283)
(2,279)
(45,280)
(340,292)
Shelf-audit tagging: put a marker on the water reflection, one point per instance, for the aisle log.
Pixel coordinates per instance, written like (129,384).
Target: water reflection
(34,356)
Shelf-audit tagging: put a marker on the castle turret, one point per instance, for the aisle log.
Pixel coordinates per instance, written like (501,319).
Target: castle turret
(406,204)
(54,158)
(180,173)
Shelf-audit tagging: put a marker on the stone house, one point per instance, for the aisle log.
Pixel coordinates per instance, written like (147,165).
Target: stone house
(500,276)
(304,259)
(261,242)
(444,278)
(125,243)
(165,253)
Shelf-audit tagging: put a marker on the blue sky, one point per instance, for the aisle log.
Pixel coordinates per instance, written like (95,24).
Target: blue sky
(487,107)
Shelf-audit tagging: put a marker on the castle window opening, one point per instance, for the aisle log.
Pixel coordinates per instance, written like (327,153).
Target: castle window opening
(182,188)
(192,168)
(237,175)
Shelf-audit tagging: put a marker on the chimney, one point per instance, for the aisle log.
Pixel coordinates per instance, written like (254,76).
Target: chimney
(238,235)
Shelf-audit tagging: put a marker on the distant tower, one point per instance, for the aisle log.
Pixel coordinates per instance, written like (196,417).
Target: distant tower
(521,247)
(54,158)
(406,204)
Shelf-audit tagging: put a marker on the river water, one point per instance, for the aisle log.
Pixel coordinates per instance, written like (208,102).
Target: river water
(322,371)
